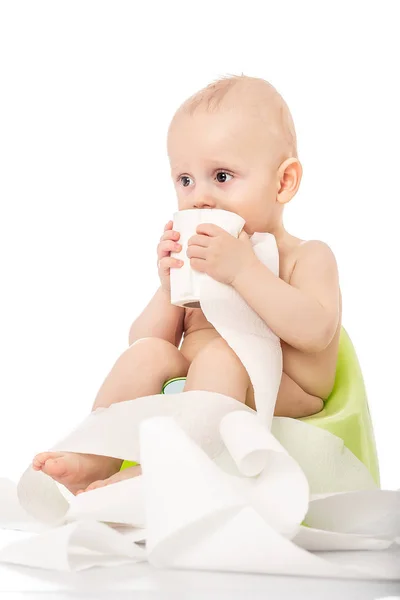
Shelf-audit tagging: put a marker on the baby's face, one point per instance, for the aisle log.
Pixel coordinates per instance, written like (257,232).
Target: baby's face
(223,160)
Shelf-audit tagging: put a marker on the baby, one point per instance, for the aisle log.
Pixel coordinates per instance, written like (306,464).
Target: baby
(231,146)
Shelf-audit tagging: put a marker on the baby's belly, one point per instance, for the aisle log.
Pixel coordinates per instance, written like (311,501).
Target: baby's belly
(195,341)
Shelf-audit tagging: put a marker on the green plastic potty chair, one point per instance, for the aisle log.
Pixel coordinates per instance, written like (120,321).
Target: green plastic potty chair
(345,414)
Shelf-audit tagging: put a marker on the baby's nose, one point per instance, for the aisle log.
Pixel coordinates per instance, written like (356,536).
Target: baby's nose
(205,202)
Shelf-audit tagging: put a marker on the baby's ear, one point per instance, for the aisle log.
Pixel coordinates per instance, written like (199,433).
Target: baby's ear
(289,177)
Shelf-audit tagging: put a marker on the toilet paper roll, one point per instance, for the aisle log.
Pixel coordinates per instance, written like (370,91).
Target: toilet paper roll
(223,487)
(185,281)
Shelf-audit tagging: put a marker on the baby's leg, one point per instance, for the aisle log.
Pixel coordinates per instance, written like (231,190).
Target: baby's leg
(216,368)
(140,371)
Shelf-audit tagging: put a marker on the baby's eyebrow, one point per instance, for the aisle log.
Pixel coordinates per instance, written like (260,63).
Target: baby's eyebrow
(227,163)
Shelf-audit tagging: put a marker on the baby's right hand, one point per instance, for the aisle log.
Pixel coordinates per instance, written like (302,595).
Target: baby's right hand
(168,243)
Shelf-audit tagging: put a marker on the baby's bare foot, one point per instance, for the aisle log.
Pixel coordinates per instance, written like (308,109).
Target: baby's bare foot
(75,471)
(120,476)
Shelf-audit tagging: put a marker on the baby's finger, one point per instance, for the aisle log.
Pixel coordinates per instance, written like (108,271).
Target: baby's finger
(167,246)
(170,235)
(168,225)
(167,263)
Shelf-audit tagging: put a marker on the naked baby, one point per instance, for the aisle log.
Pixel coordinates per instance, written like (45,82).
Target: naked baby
(231,146)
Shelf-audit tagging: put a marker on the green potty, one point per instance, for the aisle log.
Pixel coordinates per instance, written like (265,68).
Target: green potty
(345,414)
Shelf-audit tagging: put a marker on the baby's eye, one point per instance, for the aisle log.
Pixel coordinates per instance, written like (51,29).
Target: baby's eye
(223,173)
(221,178)
(183,178)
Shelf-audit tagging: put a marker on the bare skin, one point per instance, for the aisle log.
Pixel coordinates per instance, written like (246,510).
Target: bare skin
(139,371)
(250,142)
(316,372)
(313,373)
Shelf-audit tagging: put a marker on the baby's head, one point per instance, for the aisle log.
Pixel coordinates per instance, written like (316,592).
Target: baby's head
(233,146)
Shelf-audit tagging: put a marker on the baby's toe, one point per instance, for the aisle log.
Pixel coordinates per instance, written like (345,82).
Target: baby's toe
(36,464)
(41,458)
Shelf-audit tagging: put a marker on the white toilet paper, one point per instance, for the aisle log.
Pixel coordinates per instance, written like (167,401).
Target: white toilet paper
(223,487)
(185,281)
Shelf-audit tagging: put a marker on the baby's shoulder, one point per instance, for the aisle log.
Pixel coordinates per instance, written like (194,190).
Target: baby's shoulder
(307,248)
(313,256)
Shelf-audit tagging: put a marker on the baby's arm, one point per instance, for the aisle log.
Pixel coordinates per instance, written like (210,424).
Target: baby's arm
(305,312)
(159,319)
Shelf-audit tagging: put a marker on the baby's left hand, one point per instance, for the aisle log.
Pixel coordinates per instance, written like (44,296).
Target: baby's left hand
(214,251)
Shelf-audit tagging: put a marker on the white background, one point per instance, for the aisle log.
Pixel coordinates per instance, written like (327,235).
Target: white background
(87,93)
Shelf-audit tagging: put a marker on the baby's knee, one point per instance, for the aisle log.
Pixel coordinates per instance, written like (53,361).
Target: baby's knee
(318,405)
(151,344)
(158,353)
(216,345)
(218,353)
(310,405)
(152,348)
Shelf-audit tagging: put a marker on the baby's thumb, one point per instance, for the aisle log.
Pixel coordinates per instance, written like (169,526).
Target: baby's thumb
(243,235)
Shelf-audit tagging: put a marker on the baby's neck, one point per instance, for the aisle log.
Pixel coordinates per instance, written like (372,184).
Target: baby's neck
(280,233)
(284,240)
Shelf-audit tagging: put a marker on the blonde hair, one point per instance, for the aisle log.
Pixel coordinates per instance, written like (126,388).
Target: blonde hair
(232,91)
